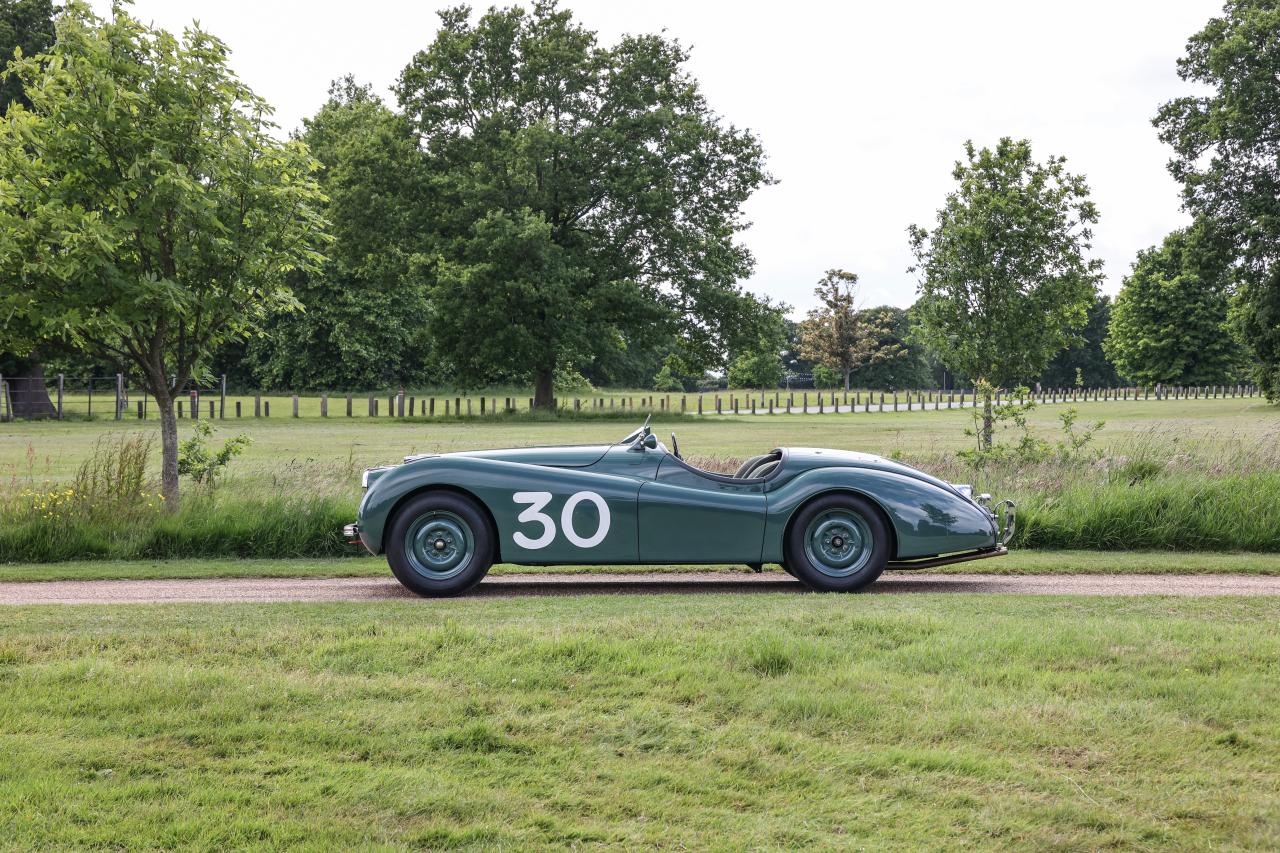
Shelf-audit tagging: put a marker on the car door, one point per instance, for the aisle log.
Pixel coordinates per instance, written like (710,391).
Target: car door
(689,516)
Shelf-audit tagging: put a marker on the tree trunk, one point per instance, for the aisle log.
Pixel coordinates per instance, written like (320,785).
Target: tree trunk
(544,388)
(847,371)
(28,394)
(168,452)
(988,420)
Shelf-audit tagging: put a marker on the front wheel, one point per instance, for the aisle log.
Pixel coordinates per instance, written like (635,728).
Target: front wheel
(439,544)
(837,543)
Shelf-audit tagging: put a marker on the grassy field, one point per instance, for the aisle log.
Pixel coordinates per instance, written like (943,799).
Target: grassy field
(739,722)
(1017,562)
(1198,475)
(53,449)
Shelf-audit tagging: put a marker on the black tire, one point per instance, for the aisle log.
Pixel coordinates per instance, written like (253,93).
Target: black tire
(418,529)
(848,543)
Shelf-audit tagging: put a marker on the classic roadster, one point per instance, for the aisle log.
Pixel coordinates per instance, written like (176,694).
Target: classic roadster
(833,519)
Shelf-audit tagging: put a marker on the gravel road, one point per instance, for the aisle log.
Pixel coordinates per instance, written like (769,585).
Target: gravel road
(225,590)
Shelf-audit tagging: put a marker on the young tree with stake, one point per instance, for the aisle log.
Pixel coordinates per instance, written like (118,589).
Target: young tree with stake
(146,212)
(1004,281)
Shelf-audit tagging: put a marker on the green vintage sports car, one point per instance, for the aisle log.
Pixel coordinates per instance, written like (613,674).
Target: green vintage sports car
(833,519)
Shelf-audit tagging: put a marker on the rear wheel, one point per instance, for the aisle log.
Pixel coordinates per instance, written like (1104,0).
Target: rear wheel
(837,543)
(439,543)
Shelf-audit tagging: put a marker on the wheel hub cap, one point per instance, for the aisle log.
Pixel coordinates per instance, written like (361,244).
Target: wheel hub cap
(838,543)
(439,545)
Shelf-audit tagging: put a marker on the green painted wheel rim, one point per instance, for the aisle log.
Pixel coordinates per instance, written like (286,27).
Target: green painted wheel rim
(439,545)
(838,543)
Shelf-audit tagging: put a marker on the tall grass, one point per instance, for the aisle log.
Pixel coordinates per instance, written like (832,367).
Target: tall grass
(1158,490)
(112,510)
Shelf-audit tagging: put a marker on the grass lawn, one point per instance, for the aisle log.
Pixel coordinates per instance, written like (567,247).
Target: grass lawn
(727,723)
(1017,562)
(282,445)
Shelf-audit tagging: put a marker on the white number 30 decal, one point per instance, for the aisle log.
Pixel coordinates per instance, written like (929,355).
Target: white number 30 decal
(537,500)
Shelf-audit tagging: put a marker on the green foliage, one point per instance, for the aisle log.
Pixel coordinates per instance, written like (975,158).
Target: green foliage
(909,368)
(586,194)
(1004,275)
(825,377)
(759,365)
(1010,417)
(1227,156)
(362,324)
(1084,364)
(146,210)
(1169,324)
(26,28)
(999,419)
(199,462)
(665,380)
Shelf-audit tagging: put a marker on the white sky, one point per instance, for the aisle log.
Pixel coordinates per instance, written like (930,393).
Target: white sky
(862,106)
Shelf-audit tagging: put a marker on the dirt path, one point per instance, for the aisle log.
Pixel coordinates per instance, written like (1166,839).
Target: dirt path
(221,590)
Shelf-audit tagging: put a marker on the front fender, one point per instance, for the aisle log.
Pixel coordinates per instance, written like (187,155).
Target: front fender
(927,520)
(494,483)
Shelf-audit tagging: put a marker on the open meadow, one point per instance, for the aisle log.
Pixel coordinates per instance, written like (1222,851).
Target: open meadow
(1190,475)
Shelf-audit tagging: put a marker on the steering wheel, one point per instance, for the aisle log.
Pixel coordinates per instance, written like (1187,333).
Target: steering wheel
(675,446)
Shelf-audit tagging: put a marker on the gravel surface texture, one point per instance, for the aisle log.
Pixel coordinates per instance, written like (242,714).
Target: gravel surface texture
(227,590)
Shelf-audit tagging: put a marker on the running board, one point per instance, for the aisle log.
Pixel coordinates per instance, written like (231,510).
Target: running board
(931,562)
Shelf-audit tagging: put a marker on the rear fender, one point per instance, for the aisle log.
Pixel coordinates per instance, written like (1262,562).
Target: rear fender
(927,520)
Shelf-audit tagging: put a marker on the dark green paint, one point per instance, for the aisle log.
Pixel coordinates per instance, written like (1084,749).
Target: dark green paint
(660,510)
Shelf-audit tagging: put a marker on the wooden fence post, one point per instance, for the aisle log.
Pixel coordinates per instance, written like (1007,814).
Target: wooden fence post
(294,400)
(237,409)
(266,408)
(373,407)
(257,405)
(324,405)
(222,398)
(60,379)
(431,407)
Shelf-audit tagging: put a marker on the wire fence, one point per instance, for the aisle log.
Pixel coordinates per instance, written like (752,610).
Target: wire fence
(113,398)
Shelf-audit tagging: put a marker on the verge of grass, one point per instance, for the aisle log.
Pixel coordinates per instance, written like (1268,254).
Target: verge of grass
(764,721)
(1018,562)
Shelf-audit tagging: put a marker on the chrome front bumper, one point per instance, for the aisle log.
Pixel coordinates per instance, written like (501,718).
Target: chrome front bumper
(351,533)
(1006,519)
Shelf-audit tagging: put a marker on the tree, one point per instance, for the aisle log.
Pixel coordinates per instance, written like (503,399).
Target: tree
(909,368)
(26,28)
(363,324)
(1004,278)
(1227,155)
(758,365)
(1169,323)
(607,166)
(145,209)
(840,337)
(1084,361)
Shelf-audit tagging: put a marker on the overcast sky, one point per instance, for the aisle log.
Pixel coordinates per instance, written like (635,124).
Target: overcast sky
(862,107)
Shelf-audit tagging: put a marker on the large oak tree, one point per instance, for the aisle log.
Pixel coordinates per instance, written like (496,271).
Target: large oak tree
(588,195)
(146,211)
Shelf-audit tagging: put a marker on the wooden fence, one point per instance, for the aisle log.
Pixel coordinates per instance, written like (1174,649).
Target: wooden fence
(215,403)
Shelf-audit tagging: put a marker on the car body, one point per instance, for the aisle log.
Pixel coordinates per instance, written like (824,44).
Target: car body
(637,502)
